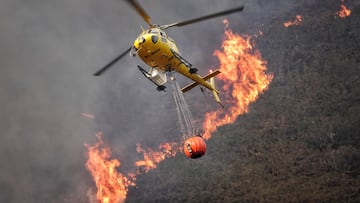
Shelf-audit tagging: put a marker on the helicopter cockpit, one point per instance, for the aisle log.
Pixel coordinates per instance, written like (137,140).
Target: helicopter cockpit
(152,34)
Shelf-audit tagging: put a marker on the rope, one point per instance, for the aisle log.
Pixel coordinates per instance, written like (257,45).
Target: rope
(182,109)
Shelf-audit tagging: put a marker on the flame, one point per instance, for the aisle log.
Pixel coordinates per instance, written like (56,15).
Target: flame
(344,12)
(244,78)
(297,21)
(152,158)
(112,186)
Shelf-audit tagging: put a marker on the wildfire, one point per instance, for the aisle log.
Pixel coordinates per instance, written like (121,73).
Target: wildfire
(112,186)
(152,158)
(243,74)
(244,78)
(297,21)
(344,12)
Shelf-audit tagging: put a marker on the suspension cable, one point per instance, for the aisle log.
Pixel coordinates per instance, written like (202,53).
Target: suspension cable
(184,114)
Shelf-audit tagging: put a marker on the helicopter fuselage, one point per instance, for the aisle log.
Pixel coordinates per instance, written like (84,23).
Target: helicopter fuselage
(156,49)
(159,52)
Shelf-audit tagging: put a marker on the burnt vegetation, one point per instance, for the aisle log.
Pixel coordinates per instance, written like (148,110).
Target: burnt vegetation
(300,141)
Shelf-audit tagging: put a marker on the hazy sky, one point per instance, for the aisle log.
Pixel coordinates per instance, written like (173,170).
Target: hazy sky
(49,51)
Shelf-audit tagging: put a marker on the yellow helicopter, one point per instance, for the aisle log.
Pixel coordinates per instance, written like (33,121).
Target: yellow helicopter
(160,53)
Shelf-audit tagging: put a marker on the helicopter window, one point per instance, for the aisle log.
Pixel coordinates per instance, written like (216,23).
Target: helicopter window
(162,34)
(154,39)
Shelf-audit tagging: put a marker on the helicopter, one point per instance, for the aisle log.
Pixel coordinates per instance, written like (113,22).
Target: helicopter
(160,53)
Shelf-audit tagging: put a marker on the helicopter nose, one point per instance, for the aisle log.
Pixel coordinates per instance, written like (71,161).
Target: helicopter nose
(136,46)
(145,42)
(139,42)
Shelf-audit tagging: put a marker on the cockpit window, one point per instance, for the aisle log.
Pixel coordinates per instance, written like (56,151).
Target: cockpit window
(154,39)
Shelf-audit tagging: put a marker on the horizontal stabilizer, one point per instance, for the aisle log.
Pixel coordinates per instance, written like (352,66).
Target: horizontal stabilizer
(205,78)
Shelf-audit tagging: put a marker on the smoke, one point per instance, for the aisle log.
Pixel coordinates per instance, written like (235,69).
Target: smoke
(49,50)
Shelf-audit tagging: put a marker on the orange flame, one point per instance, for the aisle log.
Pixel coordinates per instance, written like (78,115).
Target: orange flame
(297,21)
(243,74)
(344,12)
(112,186)
(152,158)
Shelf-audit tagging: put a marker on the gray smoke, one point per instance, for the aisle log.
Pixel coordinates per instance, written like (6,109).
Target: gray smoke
(49,50)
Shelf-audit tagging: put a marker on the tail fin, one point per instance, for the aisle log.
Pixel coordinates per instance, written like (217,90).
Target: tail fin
(216,94)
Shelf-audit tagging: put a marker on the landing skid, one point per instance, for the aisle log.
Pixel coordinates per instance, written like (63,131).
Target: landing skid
(192,70)
(148,76)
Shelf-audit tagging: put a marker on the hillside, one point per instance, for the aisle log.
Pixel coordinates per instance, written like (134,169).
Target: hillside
(300,142)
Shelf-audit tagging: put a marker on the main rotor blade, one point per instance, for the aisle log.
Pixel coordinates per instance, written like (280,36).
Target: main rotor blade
(102,70)
(141,11)
(195,20)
